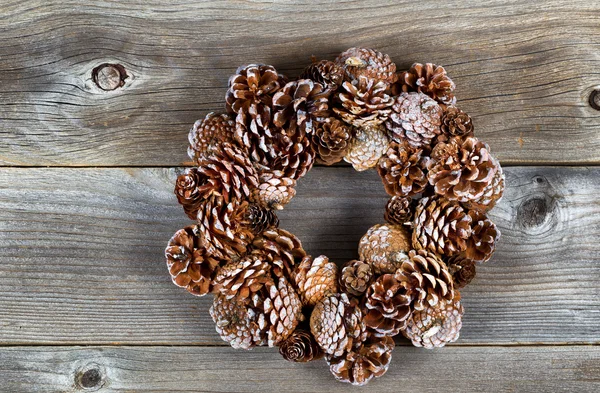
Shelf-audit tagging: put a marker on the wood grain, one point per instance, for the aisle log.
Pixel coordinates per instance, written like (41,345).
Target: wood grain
(197,369)
(81,254)
(524,69)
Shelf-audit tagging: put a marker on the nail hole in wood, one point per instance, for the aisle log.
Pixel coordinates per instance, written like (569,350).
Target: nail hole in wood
(109,76)
(595,99)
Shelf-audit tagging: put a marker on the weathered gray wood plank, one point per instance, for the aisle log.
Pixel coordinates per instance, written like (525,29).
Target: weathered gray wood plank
(81,255)
(524,69)
(198,369)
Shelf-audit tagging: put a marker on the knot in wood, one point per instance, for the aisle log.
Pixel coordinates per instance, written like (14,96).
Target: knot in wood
(594,99)
(89,377)
(533,212)
(109,76)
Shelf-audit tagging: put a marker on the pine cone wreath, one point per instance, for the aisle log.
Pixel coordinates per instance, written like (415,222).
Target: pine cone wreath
(190,265)
(208,134)
(258,219)
(369,63)
(370,360)
(403,170)
(384,247)
(325,72)
(355,277)
(398,210)
(435,326)
(415,119)
(455,122)
(429,79)
(363,102)
(462,269)
(300,347)
(366,148)
(387,305)
(281,249)
(315,279)
(331,140)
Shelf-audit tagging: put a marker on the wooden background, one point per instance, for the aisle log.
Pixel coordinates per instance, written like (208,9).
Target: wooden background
(86,180)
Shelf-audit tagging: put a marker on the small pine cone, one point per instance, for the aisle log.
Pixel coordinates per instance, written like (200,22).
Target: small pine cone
(484,235)
(363,102)
(492,194)
(428,277)
(462,169)
(366,148)
(259,218)
(315,279)
(337,323)
(331,140)
(415,119)
(358,366)
(207,134)
(356,277)
(462,269)
(403,170)
(427,78)
(398,210)
(368,63)
(238,322)
(455,122)
(244,277)
(325,72)
(191,267)
(299,104)
(384,247)
(441,226)
(188,193)
(281,249)
(435,326)
(274,191)
(300,347)
(387,305)
(283,309)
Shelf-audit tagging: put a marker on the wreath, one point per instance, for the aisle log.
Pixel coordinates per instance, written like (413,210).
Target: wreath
(267,291)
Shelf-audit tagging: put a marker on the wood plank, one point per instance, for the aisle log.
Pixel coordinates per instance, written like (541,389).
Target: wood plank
(524,69)
(81,254)
(198,369)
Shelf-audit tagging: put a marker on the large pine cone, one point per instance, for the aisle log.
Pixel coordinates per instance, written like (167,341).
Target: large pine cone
(388,305)
(455,122)
(435,326)
(441,226)
(403,170)
(274,190)
(337,323)
(415,119)
(358,366)
(366,148)
(299,104)
(428,277)
(492,194)
(188,193)
(300,347)
(331,140)
(283,310)
(238,322)
(208,134)
(325,72)
(462,269)
(484,235)
(315,279)
(363,102)
(398,210)
(462,169)
(355,277)
(368,63)
(427,78)
(191,267)
(384,247)
(281,249)
(244,277)
(259,218)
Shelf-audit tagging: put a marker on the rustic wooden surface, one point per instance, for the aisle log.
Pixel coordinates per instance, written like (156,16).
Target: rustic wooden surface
(86,180)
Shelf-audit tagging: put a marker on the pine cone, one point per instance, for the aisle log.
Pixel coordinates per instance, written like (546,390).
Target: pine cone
(415,119)
(331,141)
(274,190)
(462,169)
(441,226)
(299,104)
(484,235)
(358,366)
(384,247)
(283,310)
(491,195)
(258,219)
(428,277)
(315,279)
(245,277)
(366,148)
(427,78)
(455,122)
(367,63)
(187,191)
(363,102)
(294,156)
(191,267)
(325,72)
(403,170)
(238,322)
(207,134)
(398,210)
(387,305)
(336,323)
(300,347)
(435,326)
(462,269)
(356,277)
(281,249)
